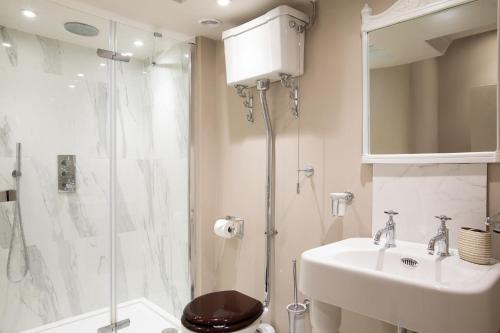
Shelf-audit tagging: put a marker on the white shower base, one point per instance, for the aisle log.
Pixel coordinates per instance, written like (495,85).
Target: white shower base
(144,317)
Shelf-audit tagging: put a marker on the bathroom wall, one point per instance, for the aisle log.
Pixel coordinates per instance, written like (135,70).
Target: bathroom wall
(464,126)
(231,176)
(330,139)
(68,233)
(391,106)
(443,104)
(421,192)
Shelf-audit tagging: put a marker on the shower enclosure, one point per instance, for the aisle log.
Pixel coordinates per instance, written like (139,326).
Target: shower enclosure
(108,241)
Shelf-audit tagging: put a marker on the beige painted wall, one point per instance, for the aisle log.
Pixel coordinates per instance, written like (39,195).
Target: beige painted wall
(391,110)
(444,104)
(404,108)
(425,99)
(230,159)
(457,77)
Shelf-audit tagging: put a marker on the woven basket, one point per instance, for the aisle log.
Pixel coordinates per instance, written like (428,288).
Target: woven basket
(474,245)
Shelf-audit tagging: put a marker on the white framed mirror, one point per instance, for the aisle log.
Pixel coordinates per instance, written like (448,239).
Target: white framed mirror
(430,82)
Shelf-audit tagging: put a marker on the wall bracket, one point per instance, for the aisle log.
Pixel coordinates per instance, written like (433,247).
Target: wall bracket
(245,93)
(291,83)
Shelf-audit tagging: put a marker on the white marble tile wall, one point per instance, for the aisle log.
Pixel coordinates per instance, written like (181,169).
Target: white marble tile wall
(420,192)
(68,234)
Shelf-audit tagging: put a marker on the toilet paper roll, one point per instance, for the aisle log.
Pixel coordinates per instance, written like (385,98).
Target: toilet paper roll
(223,228)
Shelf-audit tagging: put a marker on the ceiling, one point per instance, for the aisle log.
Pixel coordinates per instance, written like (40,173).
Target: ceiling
(429,36)
(183,17)
(137,19)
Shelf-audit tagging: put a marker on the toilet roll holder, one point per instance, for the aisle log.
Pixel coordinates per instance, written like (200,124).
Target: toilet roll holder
(237,227)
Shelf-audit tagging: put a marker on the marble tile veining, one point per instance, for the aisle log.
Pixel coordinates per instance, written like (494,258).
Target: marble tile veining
(12,50)
(51,51)
(421,192)
(6,144)
(6,216)
(40,286)
(68,233)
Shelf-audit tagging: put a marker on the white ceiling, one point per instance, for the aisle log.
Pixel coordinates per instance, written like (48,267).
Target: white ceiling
(137,19)
(413,40)
(183,17)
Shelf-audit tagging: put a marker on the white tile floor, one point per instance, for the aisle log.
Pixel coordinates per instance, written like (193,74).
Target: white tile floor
(144,317)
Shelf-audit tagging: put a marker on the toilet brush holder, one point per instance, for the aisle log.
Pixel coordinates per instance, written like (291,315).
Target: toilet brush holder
(296,317)
(296,311)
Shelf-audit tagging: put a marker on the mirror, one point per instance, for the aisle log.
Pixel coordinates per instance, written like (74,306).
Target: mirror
(432,82)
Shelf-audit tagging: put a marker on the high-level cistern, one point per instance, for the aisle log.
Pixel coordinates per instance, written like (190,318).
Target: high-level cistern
(442,239)
(389,231)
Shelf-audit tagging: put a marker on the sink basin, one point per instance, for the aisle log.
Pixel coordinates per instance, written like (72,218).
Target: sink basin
(404,286)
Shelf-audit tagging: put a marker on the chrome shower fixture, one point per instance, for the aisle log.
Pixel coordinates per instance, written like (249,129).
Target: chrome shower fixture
(291,83)
(81,29)
(245,93)
(17,260)
(106,54)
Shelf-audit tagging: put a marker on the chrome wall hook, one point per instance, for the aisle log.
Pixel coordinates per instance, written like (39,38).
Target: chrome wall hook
(245,93)
(308,170)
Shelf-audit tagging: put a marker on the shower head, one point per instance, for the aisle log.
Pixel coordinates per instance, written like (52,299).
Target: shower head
(81,29)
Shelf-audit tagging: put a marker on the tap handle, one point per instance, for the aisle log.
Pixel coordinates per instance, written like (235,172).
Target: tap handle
(390,213)
(493,224)
(443,219)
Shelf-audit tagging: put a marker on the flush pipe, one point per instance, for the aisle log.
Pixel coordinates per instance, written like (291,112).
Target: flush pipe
(312,18)
(262,88)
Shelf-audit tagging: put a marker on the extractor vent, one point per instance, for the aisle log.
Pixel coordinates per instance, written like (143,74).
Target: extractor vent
(179,1)
(409,262)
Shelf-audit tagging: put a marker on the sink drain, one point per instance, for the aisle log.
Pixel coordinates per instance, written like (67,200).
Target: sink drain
(409,262)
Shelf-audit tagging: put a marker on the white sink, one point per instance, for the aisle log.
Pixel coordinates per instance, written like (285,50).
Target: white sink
(438,295)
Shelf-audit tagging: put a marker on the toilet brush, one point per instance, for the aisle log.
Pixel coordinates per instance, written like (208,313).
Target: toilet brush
(296,310)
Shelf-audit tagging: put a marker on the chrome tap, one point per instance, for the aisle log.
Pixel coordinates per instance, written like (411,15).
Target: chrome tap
(492,224)
(442,239)
(389,231)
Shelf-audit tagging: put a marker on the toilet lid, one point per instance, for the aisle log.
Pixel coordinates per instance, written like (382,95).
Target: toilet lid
(221,310)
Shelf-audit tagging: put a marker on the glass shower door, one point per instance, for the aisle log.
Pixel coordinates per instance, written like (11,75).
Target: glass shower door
(152,191)
(54,97)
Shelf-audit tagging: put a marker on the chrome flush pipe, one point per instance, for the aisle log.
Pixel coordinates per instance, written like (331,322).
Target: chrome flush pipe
(312,18)
(263,87)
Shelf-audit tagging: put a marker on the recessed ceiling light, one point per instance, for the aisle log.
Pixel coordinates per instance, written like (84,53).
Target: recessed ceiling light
(127,54)
(102,64)
(210,22)
(72,86)
(6,44)
(80,75)
(138,43)
(28,13)
(224,3)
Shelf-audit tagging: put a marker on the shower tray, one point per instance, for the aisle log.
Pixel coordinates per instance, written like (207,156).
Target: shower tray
(144,317)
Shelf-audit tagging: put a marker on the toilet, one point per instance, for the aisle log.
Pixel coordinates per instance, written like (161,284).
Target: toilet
(222,311)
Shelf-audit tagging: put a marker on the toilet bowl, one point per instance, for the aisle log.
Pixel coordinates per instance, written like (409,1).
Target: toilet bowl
(222,312)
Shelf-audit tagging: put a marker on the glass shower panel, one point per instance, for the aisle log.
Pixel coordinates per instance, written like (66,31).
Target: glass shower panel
(153,96)
(54,101)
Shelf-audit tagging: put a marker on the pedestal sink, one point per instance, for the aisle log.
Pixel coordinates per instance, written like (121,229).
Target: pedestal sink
(403,285)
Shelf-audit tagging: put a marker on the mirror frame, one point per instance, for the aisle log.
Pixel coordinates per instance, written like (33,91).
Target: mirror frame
(401,11)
